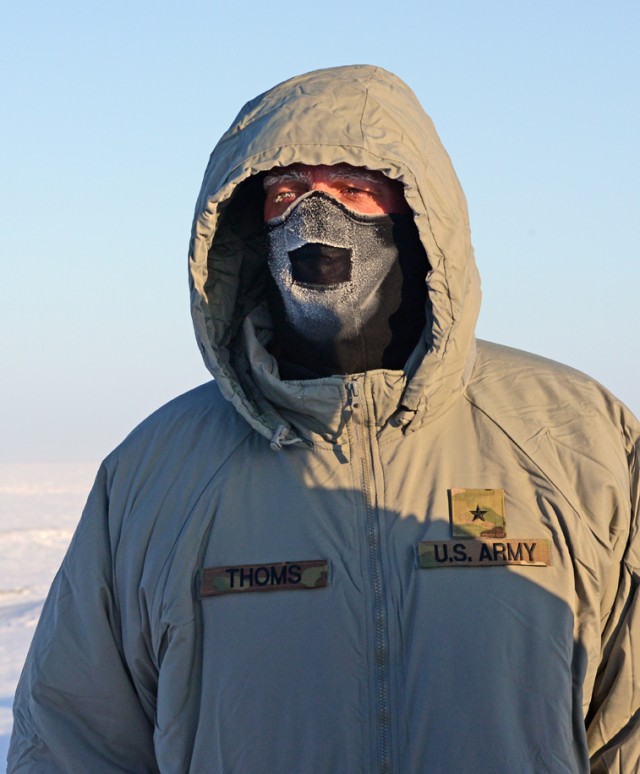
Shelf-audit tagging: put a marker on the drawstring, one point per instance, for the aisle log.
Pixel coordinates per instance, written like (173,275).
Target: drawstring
(278,439)
(403,417)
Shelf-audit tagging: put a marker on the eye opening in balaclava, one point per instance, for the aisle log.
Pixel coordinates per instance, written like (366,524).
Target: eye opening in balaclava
(347,291)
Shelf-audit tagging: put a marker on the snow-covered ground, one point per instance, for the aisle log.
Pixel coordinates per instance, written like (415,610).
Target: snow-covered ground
(40,504)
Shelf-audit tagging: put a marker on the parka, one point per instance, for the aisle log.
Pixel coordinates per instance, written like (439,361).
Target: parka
(429,570)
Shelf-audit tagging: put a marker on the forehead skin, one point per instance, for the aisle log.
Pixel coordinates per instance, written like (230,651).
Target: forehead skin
(360,189)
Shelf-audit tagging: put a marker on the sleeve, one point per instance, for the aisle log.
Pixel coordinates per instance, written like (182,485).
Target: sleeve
(613,723)
(76,707)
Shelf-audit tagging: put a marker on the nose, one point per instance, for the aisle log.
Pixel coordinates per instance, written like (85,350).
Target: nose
(320,185)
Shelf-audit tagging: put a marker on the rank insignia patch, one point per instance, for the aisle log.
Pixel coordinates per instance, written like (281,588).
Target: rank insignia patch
(477,513)
(478,523)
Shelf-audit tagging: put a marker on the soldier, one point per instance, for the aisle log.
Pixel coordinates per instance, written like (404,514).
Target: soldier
(460,516)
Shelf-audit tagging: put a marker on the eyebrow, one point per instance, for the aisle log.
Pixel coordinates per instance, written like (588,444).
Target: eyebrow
(295,176)
(291,176)
(347,174)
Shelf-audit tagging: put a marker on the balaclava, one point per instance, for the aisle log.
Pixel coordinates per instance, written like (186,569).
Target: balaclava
(349,289)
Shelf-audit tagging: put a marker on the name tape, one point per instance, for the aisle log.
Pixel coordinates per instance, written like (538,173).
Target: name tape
(283,576)
(483,553)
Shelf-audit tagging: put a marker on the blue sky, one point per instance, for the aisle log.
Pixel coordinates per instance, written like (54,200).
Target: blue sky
(110,112)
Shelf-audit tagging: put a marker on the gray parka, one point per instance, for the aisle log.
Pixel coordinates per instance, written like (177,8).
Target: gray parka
(418,644)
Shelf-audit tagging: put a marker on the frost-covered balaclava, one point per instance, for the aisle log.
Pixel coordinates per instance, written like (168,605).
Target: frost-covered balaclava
(349,291)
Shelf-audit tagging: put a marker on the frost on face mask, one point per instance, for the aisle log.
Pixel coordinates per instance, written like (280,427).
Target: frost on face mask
(348,292)
(329,264)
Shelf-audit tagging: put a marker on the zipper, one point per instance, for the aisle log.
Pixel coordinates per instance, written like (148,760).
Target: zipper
(361,432)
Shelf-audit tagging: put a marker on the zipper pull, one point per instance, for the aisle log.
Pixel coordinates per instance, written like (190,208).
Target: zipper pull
(354,395)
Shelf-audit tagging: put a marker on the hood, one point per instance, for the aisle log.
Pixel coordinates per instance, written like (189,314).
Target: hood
(367,117)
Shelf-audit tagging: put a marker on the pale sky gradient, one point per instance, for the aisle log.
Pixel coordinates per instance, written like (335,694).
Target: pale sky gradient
(110,111)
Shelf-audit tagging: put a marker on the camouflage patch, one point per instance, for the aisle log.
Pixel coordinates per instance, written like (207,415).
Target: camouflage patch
(478,513)
(283,576)
(483,553)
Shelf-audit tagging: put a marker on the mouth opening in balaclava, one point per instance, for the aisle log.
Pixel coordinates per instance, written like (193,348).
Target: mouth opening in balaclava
(347,291)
